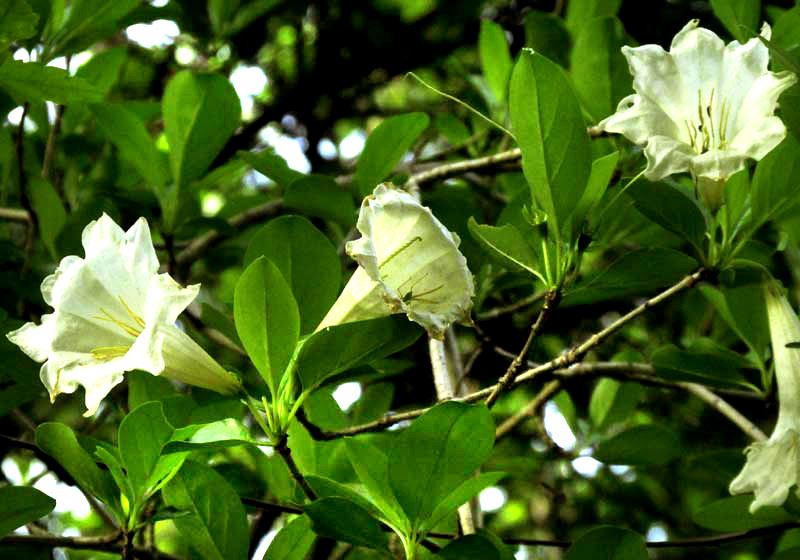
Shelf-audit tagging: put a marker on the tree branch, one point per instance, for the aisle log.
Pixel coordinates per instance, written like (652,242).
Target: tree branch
(282,448)
(15,214)
(726,409)
(111,543)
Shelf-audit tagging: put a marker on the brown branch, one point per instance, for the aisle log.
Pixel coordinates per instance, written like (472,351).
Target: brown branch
(282,448)
(33,222)
(50,147)
(550,303)
(531,410)
(458,167)
(111,543)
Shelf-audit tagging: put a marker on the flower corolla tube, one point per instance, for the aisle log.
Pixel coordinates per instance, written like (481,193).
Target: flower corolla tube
(408,263)
(114,313)
(773,466)
(703,107)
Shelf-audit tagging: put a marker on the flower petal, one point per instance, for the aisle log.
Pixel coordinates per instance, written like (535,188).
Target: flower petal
(35,340)
(639,119)
(666,156)
(166,299)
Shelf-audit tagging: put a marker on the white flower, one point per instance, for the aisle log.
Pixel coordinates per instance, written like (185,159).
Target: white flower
(773,466)
(115,313)
(703,107)
(409,263)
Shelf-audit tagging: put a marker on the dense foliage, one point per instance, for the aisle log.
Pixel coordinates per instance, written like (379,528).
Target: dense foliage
(236,218)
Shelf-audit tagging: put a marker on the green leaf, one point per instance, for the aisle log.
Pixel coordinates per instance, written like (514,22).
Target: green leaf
(464,492)
(547,34)
(743,309)
(320,196)
(375,401)
(457,439)
(307,260)
(385,147)
(549,127)
(201,112)
(775,181)
(123,128)
(642,445)
(20,505)
(17,21)
(613,401)
(59,441)
(343,520)
(608,543)
(267,319)
(599,178)
(372,468)
(50,208)
(217,527)
(328,488)
(272,166)
(598,68)
(103,69)
(507,244)
(88,22)
(639,272)
(474,547)
(293,542)
(671,208)
(733,514)
(708,367)
(220,434)
(495,58)
(30,81)
(341,347)
(740,17)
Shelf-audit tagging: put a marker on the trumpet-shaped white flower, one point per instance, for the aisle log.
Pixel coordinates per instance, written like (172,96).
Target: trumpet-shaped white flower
(408,263)
(773,466)
(703,107)
(115,313)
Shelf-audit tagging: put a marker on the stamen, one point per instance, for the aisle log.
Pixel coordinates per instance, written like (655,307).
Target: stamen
(133,331)
(133,315)
(107,353)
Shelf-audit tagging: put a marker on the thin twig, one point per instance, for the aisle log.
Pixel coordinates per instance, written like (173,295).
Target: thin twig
(15,214)
(33,222)
(726,409)
(458,167)
(110,543)
(550,303)
(531,410)
(282,448)
(511,308)
(50,147)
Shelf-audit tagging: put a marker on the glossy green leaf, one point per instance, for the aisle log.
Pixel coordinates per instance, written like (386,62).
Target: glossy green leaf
(142,434)
(123,128)
(463,493)
(343,520)
(708,367)
(320,196)
(470,547)
(608,543)
(495,57)
(549,127)
(457,439)
(580,12)
(103,69)
(602,171)
(201,111)
(372,468)
(613,401)
(267,319)
(31,81)
(217,526)
(740,17)
(48,205)
(671,208)
(642,445)
(59,441)
(17,21)
(90,21)
(743,309)
(733,514)
(640,272)
(328,488)
(220,434)
(271,165)
(547,34)
(293,542)
(507,244)
(307,260)
(385,147)
(775,181)
(20,505)
(341,347)
(598,68)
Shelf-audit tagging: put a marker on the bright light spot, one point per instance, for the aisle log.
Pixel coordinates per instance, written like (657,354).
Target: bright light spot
(521,554)
(290,149)
(22,55)
(15,116)
(11,471)
(248,81)
(586,466)
(159,3)
(492,499)
(619,470)
(185,55)
(60,62)
(68,498)
(264,543)
(557,428)
(160,33)
(347,393)
(211,204)
(352,144)
(399,425)
(327,149)
(71,532)
(51,111)
(253,179)
(657,533)
(79,60)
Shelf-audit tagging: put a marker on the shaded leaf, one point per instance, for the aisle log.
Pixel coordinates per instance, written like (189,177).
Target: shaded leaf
(642,445)
(20,505)
(608,543)
(31,81)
